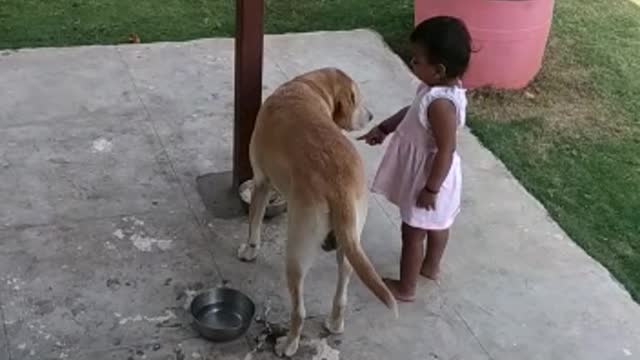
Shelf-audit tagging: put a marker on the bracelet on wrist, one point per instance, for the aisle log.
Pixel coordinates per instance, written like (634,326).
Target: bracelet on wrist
(431,191)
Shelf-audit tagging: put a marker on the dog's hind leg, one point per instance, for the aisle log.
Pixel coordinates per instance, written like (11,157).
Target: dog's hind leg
(249,251)
(296,272)
(306,231)
(335,322)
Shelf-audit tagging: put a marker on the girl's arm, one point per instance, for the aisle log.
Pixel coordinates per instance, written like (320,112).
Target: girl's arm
(377,135)
(442,117)
(391,123)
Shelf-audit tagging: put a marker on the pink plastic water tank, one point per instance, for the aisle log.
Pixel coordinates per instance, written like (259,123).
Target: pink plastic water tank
(509,35)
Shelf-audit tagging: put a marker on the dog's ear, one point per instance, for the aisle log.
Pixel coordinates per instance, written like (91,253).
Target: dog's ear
(343,108)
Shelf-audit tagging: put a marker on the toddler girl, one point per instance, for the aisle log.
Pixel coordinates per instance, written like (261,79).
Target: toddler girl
(420,170)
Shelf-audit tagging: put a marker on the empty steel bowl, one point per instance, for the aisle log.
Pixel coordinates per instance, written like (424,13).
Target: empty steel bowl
(276,205)
(222,314)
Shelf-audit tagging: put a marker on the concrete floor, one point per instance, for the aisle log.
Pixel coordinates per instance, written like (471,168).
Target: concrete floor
(104,236)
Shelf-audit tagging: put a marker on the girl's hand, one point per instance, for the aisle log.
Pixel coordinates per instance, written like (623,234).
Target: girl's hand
(427,199)
(374,137)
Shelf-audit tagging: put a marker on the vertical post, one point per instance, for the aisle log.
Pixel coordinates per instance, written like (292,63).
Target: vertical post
(249,42)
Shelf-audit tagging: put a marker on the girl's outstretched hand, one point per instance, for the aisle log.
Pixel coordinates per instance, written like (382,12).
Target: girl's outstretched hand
(427,200)
(375,136)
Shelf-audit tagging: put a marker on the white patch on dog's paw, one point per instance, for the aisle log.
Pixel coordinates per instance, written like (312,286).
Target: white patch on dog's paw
(334,326)
(286,348)
(248,253)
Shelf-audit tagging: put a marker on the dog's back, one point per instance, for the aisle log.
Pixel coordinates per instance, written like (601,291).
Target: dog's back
(298,138)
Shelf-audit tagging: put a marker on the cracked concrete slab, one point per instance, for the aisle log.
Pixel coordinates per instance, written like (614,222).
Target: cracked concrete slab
(99,284)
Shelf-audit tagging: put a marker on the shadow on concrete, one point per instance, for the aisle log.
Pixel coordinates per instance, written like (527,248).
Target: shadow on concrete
(219,196)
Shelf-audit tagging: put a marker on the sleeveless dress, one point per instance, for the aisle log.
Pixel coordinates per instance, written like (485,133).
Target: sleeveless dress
(406,164)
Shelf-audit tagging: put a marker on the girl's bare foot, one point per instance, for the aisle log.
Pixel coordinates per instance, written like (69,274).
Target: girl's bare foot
(431,274)
(396,289)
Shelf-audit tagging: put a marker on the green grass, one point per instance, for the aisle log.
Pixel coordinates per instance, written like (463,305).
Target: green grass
(571,137)
(576,145)
(30,23)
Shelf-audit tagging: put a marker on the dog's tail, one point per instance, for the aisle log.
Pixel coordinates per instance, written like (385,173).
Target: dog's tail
(344,225)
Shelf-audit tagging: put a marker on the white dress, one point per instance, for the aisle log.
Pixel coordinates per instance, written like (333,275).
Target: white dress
(406,164)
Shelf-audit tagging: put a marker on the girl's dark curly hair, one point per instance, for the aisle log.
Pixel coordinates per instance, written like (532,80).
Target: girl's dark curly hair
(446,41)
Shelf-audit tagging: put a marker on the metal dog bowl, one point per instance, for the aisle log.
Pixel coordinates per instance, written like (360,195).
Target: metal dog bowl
(222,314)
(276,204)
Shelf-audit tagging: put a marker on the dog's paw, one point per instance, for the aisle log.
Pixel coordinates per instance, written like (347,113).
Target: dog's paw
(247,252)
(285,347)
(334,326)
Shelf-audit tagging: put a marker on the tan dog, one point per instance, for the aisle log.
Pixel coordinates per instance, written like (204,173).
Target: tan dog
(298,148)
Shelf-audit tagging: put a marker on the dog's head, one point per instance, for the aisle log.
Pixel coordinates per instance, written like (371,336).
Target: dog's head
(345,99)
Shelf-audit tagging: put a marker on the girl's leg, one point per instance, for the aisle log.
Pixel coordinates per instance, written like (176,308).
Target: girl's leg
(436,243)
(410,263)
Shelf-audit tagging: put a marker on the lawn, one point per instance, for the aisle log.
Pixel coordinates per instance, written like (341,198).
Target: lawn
(571,138)
(27,23)
(575,145)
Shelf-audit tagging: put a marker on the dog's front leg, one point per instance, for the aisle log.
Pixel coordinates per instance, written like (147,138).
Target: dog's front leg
(249,251)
